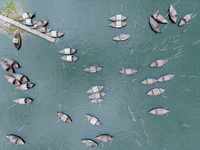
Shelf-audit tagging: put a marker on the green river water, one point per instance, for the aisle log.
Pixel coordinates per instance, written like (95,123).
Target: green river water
(62,86)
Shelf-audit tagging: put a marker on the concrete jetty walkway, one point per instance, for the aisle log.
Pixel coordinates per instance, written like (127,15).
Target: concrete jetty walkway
(26,28)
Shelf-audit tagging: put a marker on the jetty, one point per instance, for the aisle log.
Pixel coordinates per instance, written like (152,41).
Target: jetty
(28,29)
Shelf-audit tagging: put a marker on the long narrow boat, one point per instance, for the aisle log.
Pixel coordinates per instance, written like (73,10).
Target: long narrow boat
(12,80)
(93,120)
(156,91)
(17,41)
(89,142)
(25,86)
(95,89)
(41,23)
(160,18)
(27,15)
(122,37)
(149,81)
(158,111)
(7,67)
(54,34)
(104,137)
(185,19)
(64,117)
(154,25)
(119,17)
(93,69)
(69,58)
(43,29)
(11,62)
(23,100)
(95,101)
(158,63)
(20,77)
(172,13)
(166,77)
(97,95)
(67,51)
(29,22)
(117,24)
(128,71)
(15,139)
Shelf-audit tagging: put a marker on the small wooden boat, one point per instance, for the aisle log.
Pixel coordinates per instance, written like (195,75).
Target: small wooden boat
(29,22)
(117,24)
(118,18)
(89,142)
(154,25)
(67,51)
(27,15)
(43,29)
(69,58)
(15,139)
(149,81)
(41,23)
(20,77)
(156,91)
(64,117)
(95,101)
(7,67)
(11,62)
(25,86)
(122,37)
(165,77)
(12,80)
(160,18)
(158,111)
(128,71)
(55,34)
(185,19)
(93,120)
(158,63)
(23,100)
(97,95)
(95,89)
(172,13)
(93,69)
(104,137)
(17,41)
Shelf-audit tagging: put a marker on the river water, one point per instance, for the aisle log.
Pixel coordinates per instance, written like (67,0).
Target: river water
(61,86)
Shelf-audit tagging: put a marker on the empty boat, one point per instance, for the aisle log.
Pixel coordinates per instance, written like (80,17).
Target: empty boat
(156,91)
(95,101)
(12,80)
(93,69)
(25,86)
(54,34)
(23,100)
(27,15)
(154,25)
(160,18)
(95,89)
(67,51)
(118,18)
(20,77)
(185,19)
(7,67)
(104,137)
(41,23)
(165,77)
(17,41)
(128,71)
(149,81)
(43,29)
(122,37)
(158,63)
(64,117)
(172,13)
(117,24)
(158,111)
(97,95)
(89,142)
(93,120)
(69,58)
(15,139)
(29,22)
(11,62)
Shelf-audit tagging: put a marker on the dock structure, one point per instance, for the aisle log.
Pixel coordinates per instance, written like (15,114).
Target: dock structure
(26,28)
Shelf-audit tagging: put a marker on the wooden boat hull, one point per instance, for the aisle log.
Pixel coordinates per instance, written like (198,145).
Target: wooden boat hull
(64,117)
(20,77)
(27,15)
(17,41)
(29,22)
(7,67)
(55,34)
(158,63)
(122,37)
(156,91)
(11,62)
(160,18)
(67,51)
(97,95)
(117,24)
(23,100)
(89,142)
(118,18)
(69,58)
(165,78)
(93,120)
(154,25)
(95,101)
(95,89)
(172,14)
(25,86)
(128,71)
(185,19)
(15,139)
(93,69)
(149,81)
(41,23)
(12,80)
(43,29)
(104,138)
(158,111)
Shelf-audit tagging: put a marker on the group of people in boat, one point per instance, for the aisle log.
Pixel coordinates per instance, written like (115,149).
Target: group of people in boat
(68,54)
(158,18)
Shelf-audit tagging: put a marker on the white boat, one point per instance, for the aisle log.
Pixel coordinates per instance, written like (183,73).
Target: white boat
(27,15)
(93,69)
(7,67)
(172,13)
(11,62)
(69,58)
(29,22)
(117,24)
(64,117)
(43,29)
(67,51)
(149,81)
(128,71)
(97,95)
(20,77)
(154,25)
(122,37)
(95,101)
(12,80)
(15,139)
(23,100)
(160,18)
(104,137)
(158,63)
(185,19)
(54,33)
(89,142)
(165,77)
(95,89)
(25,86)
(118,17)
(93,120)
(41,23)
(156,91)
(158,111)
